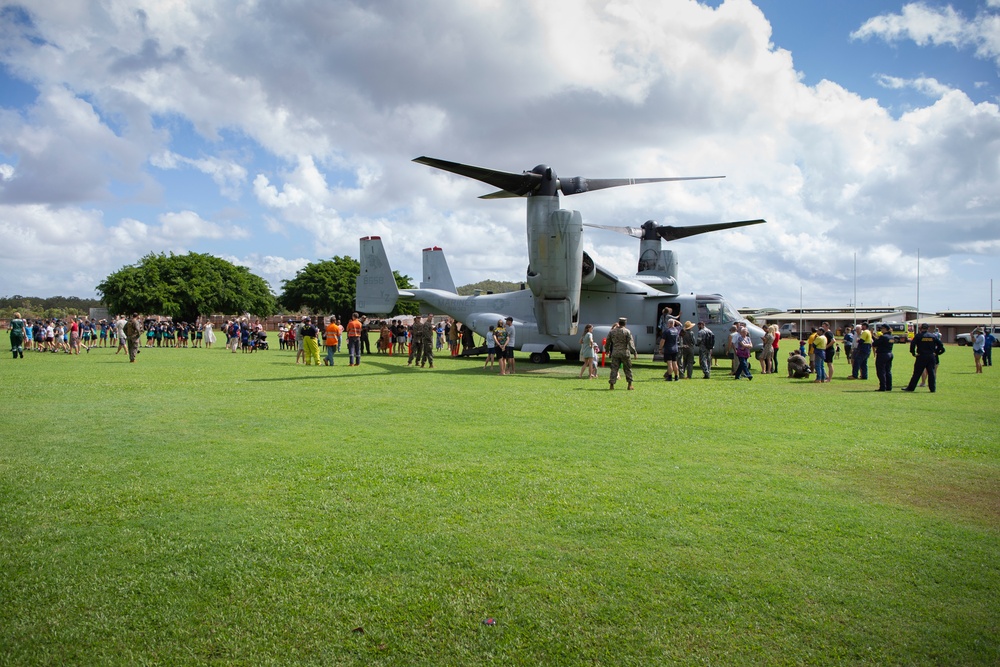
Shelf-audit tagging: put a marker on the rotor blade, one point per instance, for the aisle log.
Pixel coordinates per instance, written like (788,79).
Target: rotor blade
(499,194)
(578,184)
(515,184)
(630,231)
(671,233)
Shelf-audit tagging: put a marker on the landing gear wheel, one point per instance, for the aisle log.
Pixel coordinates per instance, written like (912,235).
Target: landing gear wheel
(539,358)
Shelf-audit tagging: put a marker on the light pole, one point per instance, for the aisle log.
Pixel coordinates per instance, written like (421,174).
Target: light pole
(855,290)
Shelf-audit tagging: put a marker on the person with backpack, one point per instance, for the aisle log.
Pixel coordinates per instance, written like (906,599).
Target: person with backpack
(705,340)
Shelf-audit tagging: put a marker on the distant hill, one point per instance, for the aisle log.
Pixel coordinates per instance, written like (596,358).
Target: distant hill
(484,286)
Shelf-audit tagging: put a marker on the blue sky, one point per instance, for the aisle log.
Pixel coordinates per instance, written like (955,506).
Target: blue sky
(275,134)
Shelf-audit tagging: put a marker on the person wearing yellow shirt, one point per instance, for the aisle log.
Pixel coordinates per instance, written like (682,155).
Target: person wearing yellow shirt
(862,351)
(819,345)
(811,348)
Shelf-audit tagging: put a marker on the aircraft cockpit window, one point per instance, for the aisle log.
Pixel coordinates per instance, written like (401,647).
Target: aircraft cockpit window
(710,312)
(730,313)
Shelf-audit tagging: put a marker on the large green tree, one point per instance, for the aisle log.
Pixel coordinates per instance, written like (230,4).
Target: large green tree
(329,286)
(185,286)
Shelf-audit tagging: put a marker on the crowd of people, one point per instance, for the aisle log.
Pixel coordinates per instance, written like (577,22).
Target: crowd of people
(421,337)
(68,336)
(818,352)
(176,334)
(71,335)
(678,343)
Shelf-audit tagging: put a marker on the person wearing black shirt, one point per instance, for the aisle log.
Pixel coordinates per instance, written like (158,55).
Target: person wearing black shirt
(309,343)
(926,349)
(883,358)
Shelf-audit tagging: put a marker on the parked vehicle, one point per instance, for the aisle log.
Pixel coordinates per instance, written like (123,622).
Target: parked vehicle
(789,330)
(964,339)
(902,332)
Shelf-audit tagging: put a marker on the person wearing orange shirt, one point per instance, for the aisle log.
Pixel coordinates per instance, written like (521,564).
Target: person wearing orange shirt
(354,341)
(333,332)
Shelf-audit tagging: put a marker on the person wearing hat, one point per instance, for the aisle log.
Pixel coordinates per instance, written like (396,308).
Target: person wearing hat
(622,352)
(686,359)
(882,346)
(925,348)
(310,346)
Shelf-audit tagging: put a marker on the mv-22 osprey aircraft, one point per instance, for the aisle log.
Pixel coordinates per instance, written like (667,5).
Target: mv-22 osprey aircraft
(566,288)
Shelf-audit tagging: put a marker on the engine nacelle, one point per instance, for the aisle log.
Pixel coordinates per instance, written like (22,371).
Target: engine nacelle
(555,269)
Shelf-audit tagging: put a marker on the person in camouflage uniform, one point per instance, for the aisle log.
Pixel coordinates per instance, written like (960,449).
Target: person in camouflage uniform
(425,354)
(133,330)
(422,343)
(705,340)
(416,340)
(622,351)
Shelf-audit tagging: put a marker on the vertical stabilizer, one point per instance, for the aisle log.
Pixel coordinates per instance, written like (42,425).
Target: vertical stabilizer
(376,288)
(436,272)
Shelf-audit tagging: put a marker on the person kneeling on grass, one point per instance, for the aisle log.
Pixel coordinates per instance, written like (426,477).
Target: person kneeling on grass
(797,365)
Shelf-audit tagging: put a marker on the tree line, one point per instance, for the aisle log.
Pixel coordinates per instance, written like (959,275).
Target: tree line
(185,287)
(46,307)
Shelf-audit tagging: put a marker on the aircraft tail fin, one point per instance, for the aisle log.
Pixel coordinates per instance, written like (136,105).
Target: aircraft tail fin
(376,288)
(436,272)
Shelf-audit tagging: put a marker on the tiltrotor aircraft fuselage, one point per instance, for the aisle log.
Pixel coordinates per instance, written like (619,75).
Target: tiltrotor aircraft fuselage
(565,287)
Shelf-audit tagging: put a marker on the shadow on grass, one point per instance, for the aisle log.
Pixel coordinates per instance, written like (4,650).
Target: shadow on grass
(346,372)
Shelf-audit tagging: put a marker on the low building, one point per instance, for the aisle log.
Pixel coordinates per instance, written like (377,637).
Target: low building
(953,322)
(806,319)
(949,322)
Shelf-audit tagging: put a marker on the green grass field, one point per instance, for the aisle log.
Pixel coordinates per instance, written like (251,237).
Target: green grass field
(200,507)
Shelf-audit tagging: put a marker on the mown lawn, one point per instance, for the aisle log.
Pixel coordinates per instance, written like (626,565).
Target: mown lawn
(204,507)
